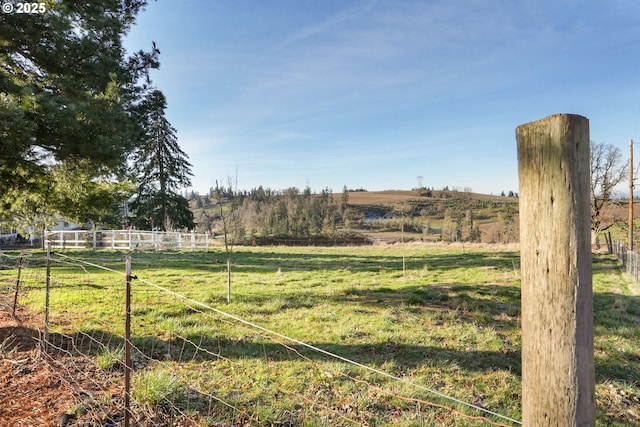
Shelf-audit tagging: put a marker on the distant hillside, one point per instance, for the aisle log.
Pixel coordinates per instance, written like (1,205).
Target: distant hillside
(389,197)
(435,215)
(428,215)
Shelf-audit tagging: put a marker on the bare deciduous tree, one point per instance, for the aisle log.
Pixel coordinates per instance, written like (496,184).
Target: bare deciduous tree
(608,169)
(231,227)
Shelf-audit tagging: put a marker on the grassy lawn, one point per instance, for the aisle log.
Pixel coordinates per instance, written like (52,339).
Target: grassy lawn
(448,322)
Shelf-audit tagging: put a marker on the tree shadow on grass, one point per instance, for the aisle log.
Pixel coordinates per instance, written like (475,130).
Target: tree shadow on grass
(269,262)
(205,348)
(617,320)
(200,348)
(247,261)
(485,304)
(612,364)
(615,316)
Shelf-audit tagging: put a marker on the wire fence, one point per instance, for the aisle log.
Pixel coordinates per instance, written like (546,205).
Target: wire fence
(136,353)
(630,260)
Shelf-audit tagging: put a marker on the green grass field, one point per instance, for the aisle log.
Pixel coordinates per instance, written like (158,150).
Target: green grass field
(448,322)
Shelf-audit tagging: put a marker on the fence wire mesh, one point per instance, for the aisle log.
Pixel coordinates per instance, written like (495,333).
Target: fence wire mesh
(193,365)
(630,260)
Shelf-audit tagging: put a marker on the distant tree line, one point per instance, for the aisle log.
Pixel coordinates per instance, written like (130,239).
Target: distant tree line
(289,212)
(302,214)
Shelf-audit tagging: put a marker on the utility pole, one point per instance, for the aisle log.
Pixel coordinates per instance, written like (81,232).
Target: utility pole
(631,194)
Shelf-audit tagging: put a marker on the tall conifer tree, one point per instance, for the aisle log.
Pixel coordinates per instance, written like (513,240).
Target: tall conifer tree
(68,91)
(162,171)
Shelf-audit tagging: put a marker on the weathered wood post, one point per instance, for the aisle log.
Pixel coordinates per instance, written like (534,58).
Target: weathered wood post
(558,375)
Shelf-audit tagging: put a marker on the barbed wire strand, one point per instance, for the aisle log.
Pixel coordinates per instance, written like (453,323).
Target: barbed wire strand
(303,397)
(198,347)
(70,347)
(354,379)
(141,353)
(22,254)
(409,399)
(318,365)
(309,346)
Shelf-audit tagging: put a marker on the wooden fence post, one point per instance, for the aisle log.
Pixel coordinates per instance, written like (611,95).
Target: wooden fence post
(558,374)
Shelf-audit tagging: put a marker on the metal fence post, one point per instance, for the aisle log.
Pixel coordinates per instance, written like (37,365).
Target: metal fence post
(15,296)
(47,299)
(127,345)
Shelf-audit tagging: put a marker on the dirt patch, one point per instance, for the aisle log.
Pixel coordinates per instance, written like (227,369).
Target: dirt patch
(49,389)
(31,395)
(61,385)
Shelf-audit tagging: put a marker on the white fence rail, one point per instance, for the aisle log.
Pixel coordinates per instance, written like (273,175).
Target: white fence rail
(128,240)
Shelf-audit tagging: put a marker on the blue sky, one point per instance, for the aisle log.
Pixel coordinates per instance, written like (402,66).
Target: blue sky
(374,93)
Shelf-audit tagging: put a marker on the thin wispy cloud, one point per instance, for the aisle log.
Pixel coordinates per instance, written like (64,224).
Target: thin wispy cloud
(342,17)
(282,88)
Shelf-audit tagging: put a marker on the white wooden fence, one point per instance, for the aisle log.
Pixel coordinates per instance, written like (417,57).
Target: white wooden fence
(128,240)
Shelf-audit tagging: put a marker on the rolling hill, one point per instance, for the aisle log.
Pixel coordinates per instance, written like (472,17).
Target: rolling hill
(389,216)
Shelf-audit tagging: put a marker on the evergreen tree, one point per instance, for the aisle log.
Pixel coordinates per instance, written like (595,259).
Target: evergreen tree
(68,94)
(162,169)
(475,235)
